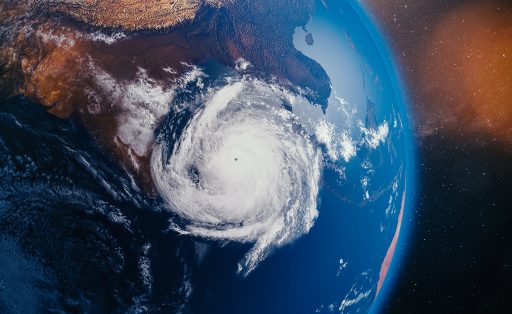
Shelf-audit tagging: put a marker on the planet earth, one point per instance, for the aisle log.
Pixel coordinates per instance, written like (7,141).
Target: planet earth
(198,156)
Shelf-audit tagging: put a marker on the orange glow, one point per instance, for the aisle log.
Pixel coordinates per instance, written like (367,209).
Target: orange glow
(469,58)
(391,250)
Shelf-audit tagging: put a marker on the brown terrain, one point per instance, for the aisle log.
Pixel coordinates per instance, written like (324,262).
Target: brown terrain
(91,64)
(128,14)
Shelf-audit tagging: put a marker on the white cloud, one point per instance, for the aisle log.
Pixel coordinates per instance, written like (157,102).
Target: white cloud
(145,268)
(325,132)
(343,264)
(243,171)
(348,302)
(359,292)
(105,38)
(60,40)
(337,144)
(374,137)
(347,147)
(143,103)
(242,65)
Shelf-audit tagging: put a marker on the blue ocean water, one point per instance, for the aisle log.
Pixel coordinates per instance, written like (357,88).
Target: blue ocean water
(92,241)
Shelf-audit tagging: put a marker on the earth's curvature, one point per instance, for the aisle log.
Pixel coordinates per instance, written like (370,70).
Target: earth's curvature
(206,156)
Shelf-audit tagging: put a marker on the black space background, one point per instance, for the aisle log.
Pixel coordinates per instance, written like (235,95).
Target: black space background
(460,247)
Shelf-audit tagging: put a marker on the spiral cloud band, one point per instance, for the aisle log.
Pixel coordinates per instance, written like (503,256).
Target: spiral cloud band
(243,170)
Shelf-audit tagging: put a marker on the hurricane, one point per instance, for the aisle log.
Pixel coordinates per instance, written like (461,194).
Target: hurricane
(244,170)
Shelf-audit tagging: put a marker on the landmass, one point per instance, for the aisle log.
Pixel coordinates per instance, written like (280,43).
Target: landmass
(111,64)
(128,14)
